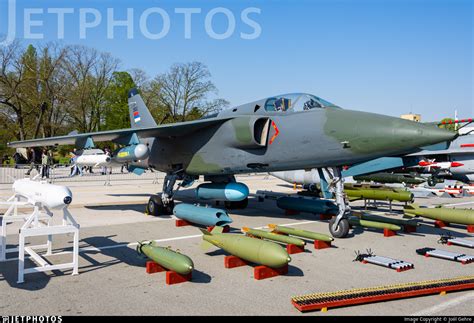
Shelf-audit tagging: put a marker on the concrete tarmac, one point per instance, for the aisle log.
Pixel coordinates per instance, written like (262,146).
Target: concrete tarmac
(112,278)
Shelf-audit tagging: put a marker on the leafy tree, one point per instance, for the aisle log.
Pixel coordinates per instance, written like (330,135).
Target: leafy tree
(116,101)
(448,124)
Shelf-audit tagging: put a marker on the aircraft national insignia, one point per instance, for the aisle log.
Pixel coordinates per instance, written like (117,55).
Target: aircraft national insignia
(277,132)
(136,115)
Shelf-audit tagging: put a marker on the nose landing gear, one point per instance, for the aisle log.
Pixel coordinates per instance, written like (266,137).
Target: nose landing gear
(339,225)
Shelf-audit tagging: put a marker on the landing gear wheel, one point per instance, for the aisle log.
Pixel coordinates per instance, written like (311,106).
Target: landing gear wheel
(237,205)
(431,182)
(342,228)
(156,207)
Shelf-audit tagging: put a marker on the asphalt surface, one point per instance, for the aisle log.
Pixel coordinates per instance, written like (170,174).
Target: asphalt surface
(112,278)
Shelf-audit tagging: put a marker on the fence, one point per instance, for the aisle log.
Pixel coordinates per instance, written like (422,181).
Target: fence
(61,174)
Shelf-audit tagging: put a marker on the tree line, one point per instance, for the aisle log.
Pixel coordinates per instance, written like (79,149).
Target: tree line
(54,89)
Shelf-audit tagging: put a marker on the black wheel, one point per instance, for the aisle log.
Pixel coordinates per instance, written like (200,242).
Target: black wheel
(431,182)
(155,206)
(168,209)
(342,228)
(231,205)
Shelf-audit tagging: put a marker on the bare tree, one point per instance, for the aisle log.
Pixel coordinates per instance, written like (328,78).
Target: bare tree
(90,74)
(11,79)
(185,92)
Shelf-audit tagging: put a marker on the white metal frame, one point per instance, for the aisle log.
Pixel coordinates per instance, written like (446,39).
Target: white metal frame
(38,223)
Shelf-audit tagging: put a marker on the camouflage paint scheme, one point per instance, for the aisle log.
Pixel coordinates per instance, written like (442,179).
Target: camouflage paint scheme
(249,138)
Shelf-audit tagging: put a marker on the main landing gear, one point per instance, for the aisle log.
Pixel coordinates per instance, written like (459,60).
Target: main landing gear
(339,225)
(163,204)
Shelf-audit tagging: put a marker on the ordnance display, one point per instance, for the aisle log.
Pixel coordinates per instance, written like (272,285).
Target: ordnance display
(300,233)
(250,249)
(383,219)
(460,216)
(166,257)
(385,194)
(203,215)
(273,236)
(355,221)
(310,205)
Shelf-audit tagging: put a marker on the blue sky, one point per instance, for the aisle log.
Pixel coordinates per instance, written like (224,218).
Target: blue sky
(390,56)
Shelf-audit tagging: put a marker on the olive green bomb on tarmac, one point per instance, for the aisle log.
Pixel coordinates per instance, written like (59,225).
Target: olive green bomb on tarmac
(166,257)
(250,249)
(300,233)
(459,216)
(273,236)
(355,193)
(356,221)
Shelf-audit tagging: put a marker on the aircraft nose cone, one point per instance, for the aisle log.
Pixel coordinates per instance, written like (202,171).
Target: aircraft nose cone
(433,134)
(369,133)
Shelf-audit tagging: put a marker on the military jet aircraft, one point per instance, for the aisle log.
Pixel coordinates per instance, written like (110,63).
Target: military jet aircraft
(283,132)
(454,163)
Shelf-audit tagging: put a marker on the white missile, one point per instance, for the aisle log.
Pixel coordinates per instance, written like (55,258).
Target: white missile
(93,160)
(51,196)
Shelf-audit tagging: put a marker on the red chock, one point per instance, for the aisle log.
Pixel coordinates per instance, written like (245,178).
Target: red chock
(292,249)
(389,233)
(318,244)
(409,228)
(152,267)
(175,278)
(226,228)
(325,216)
(263,272)
(233,262)
(182,223)
(470,228)
(291,212)
(440,224)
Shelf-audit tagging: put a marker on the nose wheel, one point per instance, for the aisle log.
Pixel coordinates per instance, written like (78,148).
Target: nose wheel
(156,207)
(339,225)
(341,230)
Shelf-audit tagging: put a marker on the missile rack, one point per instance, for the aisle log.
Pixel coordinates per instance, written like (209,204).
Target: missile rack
(369,257)
(456,241)
(323,301)
(443,254)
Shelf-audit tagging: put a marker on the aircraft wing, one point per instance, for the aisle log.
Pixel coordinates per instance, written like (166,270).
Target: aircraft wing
(162,131)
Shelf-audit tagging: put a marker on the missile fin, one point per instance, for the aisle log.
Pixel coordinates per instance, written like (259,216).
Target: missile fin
(216,230)
(205,232)
(206,245)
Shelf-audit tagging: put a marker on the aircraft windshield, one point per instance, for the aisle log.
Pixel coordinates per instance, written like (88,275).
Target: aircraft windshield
(296,102)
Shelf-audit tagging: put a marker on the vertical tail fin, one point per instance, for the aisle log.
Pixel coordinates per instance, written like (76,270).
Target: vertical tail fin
(140,116)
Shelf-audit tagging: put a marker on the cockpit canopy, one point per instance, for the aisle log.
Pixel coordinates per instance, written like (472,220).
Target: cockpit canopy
(296,102)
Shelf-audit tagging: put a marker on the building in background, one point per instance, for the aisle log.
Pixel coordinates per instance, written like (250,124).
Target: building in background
(412,117)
